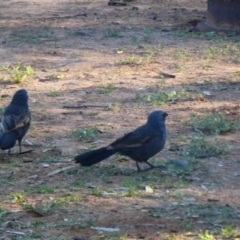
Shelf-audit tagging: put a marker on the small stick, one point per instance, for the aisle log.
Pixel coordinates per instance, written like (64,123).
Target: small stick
(85,106)
(167,75)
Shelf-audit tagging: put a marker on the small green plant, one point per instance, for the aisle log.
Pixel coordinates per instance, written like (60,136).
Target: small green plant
(149,56)
(48,207)
(55,94)
(2,213)
(155,213)
(5,67)
(107,88)
(210,212)
(67,199)
(132,188)
(38,223)
(163,97)
(200,147)
(42,209)
(134,38)
(148,34)
(229,231)
(33,37)
(206,236)
(131,60)
(112,33)
(213,123)
(19,72)
(18,197)
(42,189)
(54,76)
(114,105)
(96,191)
(85,134)
(187,225)
(124,237)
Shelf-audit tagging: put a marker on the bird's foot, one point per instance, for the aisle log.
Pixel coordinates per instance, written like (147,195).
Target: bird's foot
(151,166)
(28,151)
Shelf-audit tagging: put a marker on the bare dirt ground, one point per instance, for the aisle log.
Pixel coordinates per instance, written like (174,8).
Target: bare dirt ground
(107,61)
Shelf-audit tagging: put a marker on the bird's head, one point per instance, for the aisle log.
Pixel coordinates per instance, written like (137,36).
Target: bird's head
(20,97)
(157,117)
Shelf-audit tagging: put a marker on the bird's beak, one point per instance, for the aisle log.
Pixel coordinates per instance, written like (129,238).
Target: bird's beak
(165,114)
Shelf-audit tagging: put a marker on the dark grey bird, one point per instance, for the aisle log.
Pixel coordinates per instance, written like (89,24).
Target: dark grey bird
(15,121)
(140,144)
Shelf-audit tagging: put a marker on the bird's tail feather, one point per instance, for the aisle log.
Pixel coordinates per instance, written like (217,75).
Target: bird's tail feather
(93,157)
(7,140)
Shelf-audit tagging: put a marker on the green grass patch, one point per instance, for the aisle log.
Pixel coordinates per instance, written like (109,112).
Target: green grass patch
(229,231)
(132,187)
(213,123)
(18,197)
(19,73)
(41,189)
(106,88)
(200,147)
(163,97)
(131,60)
(85,134)
(48,207)
(113,33)
(33,37)
(206,236)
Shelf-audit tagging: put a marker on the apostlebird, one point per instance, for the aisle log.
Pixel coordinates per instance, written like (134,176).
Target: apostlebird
(15,121)
(140,144)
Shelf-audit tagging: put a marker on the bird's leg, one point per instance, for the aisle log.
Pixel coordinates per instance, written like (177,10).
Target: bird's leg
(151,165)
(20,146)
(138,167)
(144,170)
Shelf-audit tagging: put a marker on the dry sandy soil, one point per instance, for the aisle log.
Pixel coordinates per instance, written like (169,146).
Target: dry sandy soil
(105,61)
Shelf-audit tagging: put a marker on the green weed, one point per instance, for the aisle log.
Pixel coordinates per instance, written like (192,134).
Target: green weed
(115,105)
(55,94)
(131,60)
(18,197)
(31,38)
(206,236)
(97,191)
(41,189)
(200,147)
(49,207)
(2,213)
(5,67)
(213,123)
(19,73)
(163,97)
(113,33)
(106,88)
(132,188)
(86,134)
(229,231)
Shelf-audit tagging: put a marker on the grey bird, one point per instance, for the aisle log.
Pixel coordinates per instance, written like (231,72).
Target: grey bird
(140,144)
(15,121)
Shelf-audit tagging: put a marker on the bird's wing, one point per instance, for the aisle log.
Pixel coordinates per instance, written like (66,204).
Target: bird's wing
(11,122)
(130,140)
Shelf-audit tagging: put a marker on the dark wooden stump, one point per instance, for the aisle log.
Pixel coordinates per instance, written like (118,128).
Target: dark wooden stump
(222,15)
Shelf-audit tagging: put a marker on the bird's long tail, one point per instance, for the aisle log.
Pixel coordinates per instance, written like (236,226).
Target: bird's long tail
(95,156)
(7,140)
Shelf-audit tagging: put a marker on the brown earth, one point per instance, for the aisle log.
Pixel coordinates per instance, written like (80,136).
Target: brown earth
(105,59)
